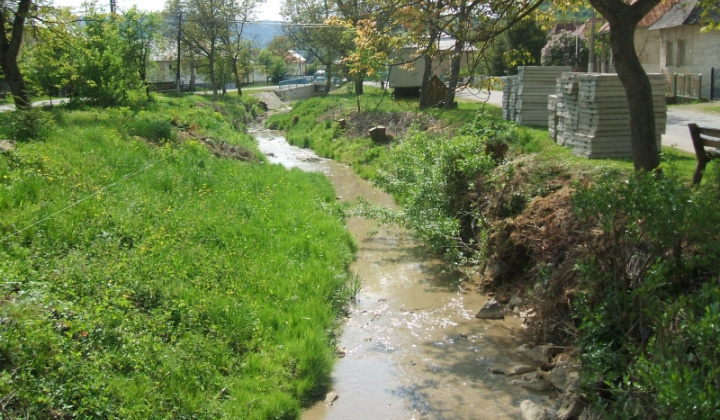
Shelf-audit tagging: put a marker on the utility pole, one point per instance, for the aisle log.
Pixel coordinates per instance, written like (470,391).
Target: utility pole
(591,55)
(177,74)
(113,6)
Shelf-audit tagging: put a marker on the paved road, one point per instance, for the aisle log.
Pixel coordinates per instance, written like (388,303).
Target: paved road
(676,131)
(57,101)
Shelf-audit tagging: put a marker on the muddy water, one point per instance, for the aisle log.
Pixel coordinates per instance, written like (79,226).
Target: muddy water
(413,347)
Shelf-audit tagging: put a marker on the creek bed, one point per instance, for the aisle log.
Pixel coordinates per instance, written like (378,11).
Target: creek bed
(414,349)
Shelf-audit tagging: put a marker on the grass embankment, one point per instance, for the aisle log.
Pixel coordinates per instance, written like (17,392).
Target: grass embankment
(144,277)
(621,270)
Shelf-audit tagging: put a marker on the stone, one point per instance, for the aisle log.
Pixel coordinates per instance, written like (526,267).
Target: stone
(330,398)
(534,385)
(530,410)
(564,379)
(538,354)
(7,145)
(496,371)
(515,302)
(519,370)
(491,310)
(571,408)
(340,351)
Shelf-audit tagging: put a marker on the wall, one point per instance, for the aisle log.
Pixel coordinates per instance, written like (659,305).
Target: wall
(702,51)
(294,94)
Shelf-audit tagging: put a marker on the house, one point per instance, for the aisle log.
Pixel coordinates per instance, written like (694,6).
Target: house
(685,49)
(295,63)
(162,73)
(406,73)
(669,40)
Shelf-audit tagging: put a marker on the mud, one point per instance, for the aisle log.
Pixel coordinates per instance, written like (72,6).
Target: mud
(413,348)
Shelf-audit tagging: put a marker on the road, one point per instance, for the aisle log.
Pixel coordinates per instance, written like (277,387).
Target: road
(58,101)
(676,134)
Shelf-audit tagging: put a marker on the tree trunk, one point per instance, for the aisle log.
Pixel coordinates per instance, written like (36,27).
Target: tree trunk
(211,70)
(359,87)
(454,75)
(15,80)
(9,49)
(455,61)
(623,20)
(328,81)
(646,155)
(427,71)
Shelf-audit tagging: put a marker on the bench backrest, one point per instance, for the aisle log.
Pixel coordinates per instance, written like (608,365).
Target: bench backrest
(703,137)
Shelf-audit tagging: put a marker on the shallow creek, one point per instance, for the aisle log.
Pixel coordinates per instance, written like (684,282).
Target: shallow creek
(413,347)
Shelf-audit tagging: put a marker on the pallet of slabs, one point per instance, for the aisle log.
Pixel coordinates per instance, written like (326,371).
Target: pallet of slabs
(593,114)
(534,85)
(508,101)
(553,116)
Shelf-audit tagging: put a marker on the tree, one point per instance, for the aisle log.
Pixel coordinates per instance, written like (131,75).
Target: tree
(309,32)
(623,19)
(139,30)
(479,22)
(237,50)
(13,15)
(566,49)
(204,23)
(521,44)
(273,65)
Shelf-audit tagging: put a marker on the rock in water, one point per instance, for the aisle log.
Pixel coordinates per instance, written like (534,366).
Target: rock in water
(491,310)
(519,370)
(330,398)
(533,411)
(539,354)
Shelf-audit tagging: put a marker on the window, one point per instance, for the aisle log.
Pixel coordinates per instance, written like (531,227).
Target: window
(669,54)
(681,61)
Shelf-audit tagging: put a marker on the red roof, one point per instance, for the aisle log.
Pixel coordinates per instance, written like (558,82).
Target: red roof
(653,15)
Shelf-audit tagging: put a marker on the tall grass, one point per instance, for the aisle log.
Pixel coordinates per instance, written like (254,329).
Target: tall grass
(143,277)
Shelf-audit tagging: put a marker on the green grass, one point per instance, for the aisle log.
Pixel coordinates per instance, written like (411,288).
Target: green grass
(143,277)
(316,129)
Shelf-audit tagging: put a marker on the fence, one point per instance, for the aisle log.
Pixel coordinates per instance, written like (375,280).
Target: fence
(687,87)
(295,82)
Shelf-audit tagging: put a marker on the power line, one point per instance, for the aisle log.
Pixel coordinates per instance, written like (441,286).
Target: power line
(99,191)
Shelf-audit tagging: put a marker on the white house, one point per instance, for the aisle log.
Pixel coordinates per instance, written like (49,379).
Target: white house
(406,73)
(684,49)
(295,63)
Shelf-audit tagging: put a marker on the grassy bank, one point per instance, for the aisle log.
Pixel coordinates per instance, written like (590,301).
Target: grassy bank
(621,270)
(146,275)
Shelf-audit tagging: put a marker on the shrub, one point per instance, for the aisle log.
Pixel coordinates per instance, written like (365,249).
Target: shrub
(152,127)
(566,49)
(33,124)
(645,310)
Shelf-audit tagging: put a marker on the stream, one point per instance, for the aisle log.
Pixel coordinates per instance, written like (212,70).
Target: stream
(414,349)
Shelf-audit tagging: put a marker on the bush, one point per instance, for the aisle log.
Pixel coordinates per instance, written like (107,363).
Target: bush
(152,127)
(431,175)
(566,49)
(33,124)
(648,292)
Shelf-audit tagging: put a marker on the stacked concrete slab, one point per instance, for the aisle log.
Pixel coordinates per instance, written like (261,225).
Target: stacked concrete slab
(593,115)
(528,101)
(508,101)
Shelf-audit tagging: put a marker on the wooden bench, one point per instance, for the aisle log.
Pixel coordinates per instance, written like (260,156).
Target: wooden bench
(706,141)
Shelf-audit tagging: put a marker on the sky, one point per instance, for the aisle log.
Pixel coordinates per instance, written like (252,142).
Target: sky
(270,10)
